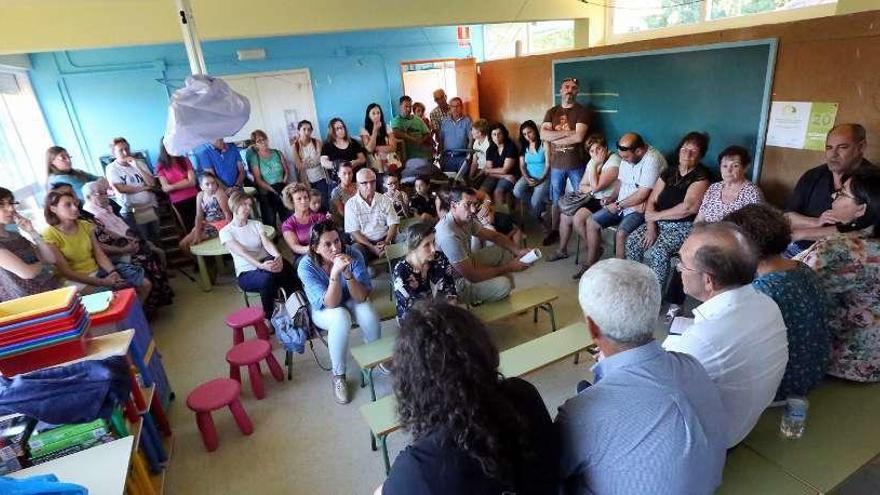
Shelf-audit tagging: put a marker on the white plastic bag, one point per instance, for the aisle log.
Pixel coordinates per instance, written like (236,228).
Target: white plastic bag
(204,110)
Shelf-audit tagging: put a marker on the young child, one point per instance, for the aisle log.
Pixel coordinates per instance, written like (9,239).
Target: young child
(316,201)
(212,212)
(421,204)
(398,198)
(343,192)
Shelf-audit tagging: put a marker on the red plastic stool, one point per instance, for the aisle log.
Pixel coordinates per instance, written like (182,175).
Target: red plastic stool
(250,354)
(247,317)
(214,395)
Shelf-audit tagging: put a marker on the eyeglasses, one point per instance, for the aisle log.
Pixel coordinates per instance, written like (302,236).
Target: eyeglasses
(621,147)
(681,267)
(841,193)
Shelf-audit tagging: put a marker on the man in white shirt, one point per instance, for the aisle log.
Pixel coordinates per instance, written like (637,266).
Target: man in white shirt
(738,333)
(370,217)
(640,166)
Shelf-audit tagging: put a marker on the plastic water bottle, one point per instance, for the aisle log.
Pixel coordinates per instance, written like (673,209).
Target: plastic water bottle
(794,418)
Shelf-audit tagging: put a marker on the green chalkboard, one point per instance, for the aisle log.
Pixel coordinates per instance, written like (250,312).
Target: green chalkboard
(722,89)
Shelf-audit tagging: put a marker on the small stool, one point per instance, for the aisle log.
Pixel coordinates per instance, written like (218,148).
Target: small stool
(214,395)
(250,354)
(247,317)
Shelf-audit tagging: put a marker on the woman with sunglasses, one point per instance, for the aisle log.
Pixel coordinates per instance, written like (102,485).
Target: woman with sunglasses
(25,263)
(848,265)
(424,273)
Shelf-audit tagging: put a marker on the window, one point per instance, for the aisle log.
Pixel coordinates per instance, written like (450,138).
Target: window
(534,37)
(629,16)
(721,9)
(23,139)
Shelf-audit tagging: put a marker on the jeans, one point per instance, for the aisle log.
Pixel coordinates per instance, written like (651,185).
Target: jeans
(627,223)
(536,196)
(494,289)
(558,177)
(337,322)
(453,161)
(268,283)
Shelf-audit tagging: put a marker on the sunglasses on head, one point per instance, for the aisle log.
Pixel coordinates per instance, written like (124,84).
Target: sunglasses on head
(571,79)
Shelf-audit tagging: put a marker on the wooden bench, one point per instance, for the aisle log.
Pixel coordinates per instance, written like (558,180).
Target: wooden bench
(841,435)
(370,355)
(381,415)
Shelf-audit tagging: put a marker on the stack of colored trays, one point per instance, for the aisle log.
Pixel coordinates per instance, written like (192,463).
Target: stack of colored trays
(41,330)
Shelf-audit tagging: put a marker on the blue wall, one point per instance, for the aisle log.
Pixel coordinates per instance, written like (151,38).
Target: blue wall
(90,96)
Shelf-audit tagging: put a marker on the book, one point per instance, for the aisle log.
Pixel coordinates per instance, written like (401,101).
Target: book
(38,440)
(15,430)
(72,449)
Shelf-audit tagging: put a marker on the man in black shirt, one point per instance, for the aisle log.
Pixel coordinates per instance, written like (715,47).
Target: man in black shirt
(809,207)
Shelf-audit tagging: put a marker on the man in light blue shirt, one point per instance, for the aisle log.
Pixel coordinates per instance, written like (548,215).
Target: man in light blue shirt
(653,420)
(455,137)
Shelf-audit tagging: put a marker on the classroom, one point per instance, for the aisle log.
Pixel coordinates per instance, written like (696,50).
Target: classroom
(555,246)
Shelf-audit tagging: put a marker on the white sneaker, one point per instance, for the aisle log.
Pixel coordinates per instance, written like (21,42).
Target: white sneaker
(340,389)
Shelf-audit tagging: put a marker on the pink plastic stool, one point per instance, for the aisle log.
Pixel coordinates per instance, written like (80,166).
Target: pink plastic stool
(247,317)
(214,395)
(250,354)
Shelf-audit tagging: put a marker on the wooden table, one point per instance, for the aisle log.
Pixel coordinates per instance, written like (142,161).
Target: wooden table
(212,247)
(841,435)
(102,469)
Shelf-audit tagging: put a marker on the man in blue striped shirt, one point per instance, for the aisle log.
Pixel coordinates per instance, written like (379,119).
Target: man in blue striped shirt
(653,420)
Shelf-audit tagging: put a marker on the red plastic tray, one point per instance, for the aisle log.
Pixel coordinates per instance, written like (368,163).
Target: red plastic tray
(48,318)
(37,305)
(44,356)
(38,333)
(119,306)
(57,325)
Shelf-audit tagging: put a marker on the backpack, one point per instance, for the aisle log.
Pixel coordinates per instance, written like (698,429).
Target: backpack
(293,325)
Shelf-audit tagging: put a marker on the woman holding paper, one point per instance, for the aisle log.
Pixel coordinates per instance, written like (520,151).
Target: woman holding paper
(424,271)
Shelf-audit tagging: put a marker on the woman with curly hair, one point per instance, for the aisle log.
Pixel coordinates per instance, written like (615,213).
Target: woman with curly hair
(473,431)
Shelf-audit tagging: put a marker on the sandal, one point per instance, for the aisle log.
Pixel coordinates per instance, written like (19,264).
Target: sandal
(581,269)
(558,255)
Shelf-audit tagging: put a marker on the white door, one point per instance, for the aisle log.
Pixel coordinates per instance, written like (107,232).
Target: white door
(279,100)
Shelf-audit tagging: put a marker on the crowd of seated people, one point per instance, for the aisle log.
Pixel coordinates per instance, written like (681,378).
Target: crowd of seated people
(784,297)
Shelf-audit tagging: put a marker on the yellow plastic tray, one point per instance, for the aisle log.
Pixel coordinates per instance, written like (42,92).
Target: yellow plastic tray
(36,305)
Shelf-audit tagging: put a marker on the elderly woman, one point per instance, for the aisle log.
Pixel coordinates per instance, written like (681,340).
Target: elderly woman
(848,265)
(25,265)
(298,226)
(259,266)
(671,208)
(338,287)
(122,244)
(424,273)
(79,258)
(60,170)
(133,183)
(269,169)
(473,431)
(734,191)
(797,291)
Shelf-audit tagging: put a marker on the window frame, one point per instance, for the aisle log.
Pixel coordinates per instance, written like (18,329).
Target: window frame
(528,39)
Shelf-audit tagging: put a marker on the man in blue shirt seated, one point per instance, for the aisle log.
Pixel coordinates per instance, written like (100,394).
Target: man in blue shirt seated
(653,420)
(224,159)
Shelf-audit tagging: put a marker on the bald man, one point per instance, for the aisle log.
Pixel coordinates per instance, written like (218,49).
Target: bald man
(809,207)
(370,217)
(738,334)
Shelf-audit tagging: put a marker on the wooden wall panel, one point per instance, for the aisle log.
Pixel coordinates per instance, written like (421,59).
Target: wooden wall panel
(833,59)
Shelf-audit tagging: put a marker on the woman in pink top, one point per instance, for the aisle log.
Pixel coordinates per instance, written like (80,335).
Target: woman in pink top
(298,226)
(179,181)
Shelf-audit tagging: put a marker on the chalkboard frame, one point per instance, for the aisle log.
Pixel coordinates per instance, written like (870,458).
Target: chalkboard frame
(771,43)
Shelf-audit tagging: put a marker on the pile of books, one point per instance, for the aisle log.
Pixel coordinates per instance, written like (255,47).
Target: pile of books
(14,432)
(50,442)
(42,330)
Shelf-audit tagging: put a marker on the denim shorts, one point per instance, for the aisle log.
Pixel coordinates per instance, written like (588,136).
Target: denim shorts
(626,223)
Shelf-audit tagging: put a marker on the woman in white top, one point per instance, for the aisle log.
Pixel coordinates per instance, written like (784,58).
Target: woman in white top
(600,182)
(259,266)
(480,133)
(133,183)
(307,159)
